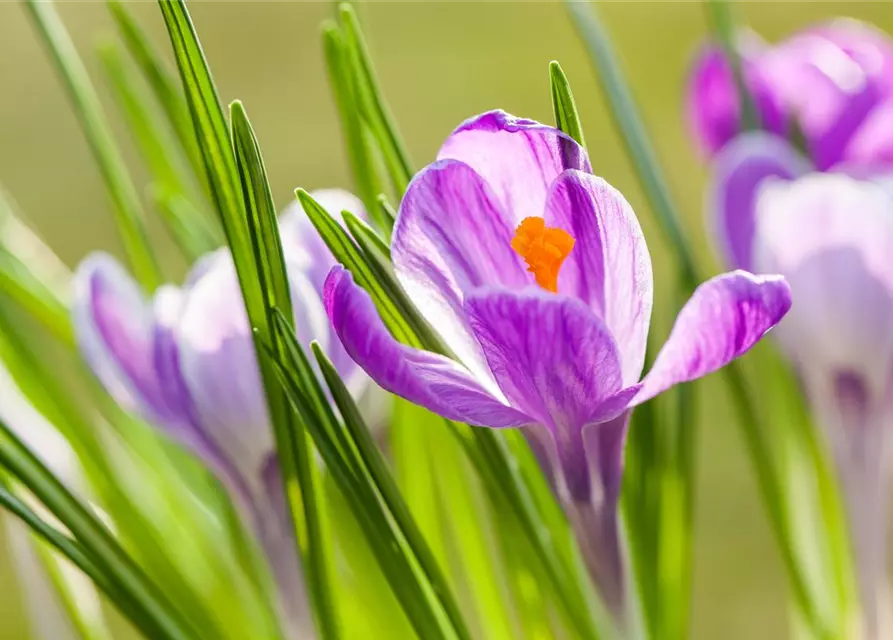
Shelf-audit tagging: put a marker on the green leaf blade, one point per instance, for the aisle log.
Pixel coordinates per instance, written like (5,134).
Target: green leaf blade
(127,208)
(172,187)
(371,100)
(293,447)
(563,106)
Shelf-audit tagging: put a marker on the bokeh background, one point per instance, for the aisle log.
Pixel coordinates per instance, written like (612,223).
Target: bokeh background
(439,63)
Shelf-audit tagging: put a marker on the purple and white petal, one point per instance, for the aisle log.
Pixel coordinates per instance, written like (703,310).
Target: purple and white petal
(726,316)
(739,172)
(114,327)
(219,367)
(831,78)
(831,236)
(518,158)
(555,360)
(714,109)
(451,237)
(609,266)
(167,307)
(432,381)
(872,145)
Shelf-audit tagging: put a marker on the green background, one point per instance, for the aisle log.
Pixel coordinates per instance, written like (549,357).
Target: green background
(439,63)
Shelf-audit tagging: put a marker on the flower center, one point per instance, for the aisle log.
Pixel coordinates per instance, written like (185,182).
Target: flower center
(543,249)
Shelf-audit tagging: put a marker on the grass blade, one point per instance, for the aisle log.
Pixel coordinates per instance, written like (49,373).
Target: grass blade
(626,120)
(32,275)
(357,138)
(565,109)
(162,82)
(719,16)
(211,131)
(160,618)
(292,444)
(400,567)
(371,100)
(171,179)
(69,549)
(128,210)
(375,466)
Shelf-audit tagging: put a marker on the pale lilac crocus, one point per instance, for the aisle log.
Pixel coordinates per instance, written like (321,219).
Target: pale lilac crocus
(831,235)
(834,80)
(556,348)
(184,360)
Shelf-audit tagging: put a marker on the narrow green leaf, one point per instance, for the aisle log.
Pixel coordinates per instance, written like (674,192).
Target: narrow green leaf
(366,237)
(467,522)
(162,82)
(356,136)
(719,16)
(80,602)
(292,444)
(771,491)
(212,133)
(626,119)
(127,208)
(171,178)
(389,213)
(32,275)
(368,607)
(187,225)
(565,109)
(375,109)
(160,618)
(257,261)
(413,591)
(71,550)
(797,137)
(348,254)
(59,405)
(382,479)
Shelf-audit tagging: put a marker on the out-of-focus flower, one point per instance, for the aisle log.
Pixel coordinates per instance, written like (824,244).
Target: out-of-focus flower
(48,617)
(835,81)
(831,236)
(184,360)
(536,275)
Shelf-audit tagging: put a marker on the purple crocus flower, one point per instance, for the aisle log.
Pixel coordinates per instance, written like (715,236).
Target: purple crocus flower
(184,360)
(548,323)
(831,235)
(834,80)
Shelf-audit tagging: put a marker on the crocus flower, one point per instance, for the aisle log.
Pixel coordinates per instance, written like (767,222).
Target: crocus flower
(834,80)
(184,360)
(831,235)
(536,275)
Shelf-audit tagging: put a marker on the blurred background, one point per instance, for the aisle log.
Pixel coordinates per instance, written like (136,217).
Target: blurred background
(439,63)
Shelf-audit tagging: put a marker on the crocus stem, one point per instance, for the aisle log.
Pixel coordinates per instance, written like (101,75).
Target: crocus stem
(866,492)
(598,535)
(856,427)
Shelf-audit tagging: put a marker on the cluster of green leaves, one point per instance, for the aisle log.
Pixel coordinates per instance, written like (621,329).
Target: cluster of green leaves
(170,567)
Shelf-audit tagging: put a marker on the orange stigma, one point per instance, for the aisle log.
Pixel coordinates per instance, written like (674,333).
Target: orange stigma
(544,249)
